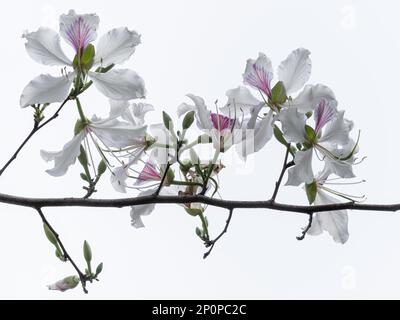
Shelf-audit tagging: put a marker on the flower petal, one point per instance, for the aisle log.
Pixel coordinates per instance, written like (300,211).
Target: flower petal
(141,210)
(240,101)
(46,89)
(310,96)
(295,70)
(337,131)
(324,113)
(293,123)
(116,46)
(334,222)
(119,84)
(117,134)
(203,115)
(79,29)
(302,171)
(64,158)
(43,46)
(259,73)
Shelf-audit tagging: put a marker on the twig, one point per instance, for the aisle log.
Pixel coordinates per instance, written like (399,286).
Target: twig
(163,179)
(212,243)
(65,253)
(36,128)
(307,228)
(285,166)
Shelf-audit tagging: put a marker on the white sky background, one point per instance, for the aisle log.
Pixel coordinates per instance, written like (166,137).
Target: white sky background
(201,47)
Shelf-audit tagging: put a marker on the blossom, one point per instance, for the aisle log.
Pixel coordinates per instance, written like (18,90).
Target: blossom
(293,74)
(334,222)
(110,132)
(329,137)
(221,128)
(79,31)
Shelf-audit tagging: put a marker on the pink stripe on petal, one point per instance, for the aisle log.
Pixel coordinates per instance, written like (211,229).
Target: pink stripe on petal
(260,79)
(324,113)
(149,173)
(221,122)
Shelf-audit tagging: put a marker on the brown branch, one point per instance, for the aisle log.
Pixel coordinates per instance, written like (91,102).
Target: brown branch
(286,165)
(36,127)
(212,243)
(65,253)
(182,199)
(307,228)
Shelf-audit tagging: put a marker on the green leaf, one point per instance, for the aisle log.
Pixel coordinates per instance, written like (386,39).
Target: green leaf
(279,135)
(311,190)
(87,252)
(50,235)
(99,269)
(167,121)
(83,157)
(199,232)
(188,120)
(102,167)
(310,133)
(278,94)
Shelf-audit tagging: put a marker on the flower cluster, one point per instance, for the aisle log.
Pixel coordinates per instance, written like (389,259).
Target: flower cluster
(160,158)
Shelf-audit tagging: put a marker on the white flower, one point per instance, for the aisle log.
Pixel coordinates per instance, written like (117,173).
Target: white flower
(334,222)
(79,30)
(222,129)
(329,137)
(110,132)
(293,72)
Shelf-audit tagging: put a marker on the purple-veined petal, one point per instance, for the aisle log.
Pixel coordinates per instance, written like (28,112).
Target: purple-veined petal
(221,122)
(324,113)
(259,74)
(43,46)
(46,89)
(295,70)
(116,46)
(336,131)
(79,29)
(149,173)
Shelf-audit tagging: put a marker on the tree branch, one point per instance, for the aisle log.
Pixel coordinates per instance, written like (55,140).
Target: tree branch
(307,227)
(286,166)
(212,243)
(36,128)
(65,253)
(182,199)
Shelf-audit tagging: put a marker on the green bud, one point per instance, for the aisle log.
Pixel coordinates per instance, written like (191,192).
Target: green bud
(279,135)
(170,177)
(199,232)
(99,269)
(188,120)
(84,177)
(71,281)
(167,121)
(87,252)
(309,114)
(194,211)
(278,94)
(50,235)
(311,190)
(83,157)
(102,167)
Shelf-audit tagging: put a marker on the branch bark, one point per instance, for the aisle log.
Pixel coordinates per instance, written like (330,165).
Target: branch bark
(157,199)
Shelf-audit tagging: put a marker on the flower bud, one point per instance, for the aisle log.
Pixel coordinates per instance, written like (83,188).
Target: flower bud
(65,284)
(188,120)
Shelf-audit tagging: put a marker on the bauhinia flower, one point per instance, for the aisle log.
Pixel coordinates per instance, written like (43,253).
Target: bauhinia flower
(293,74)
(222,129)
(79,31)
(110,133)
(328,138)
(335,222)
